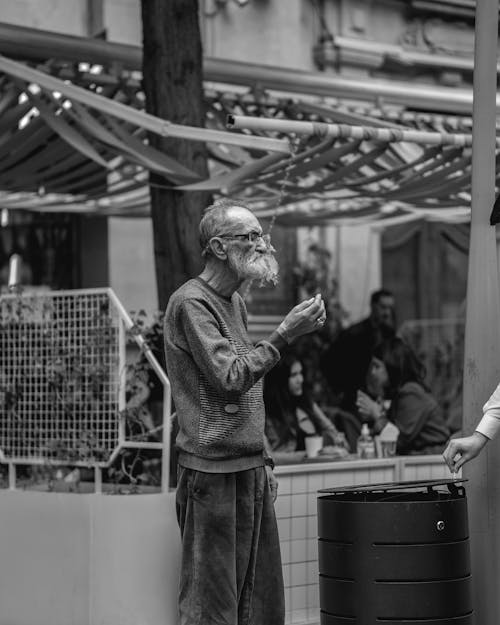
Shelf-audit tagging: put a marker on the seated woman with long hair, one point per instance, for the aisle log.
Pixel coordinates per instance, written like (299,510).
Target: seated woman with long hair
(398,375)
(291,414)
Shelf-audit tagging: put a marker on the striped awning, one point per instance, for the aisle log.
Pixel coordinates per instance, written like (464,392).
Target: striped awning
(74,139)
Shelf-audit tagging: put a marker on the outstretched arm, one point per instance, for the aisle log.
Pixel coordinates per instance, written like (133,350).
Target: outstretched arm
(461,450)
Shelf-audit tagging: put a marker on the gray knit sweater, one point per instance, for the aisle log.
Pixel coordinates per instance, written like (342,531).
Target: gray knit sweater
(215,373)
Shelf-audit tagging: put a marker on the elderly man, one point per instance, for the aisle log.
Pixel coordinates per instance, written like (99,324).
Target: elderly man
(231,567)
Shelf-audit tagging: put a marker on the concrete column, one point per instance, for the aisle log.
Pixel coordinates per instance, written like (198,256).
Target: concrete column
(131,263)
(482,334)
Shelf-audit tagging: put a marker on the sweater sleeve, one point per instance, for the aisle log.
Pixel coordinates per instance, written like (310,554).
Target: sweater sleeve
(489,425)
(226,370)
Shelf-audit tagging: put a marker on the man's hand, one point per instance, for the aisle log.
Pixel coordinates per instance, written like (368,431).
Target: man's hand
(461,450)
(304,318)
(273,483)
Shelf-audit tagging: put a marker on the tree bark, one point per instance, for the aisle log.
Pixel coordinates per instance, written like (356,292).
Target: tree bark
(172,70)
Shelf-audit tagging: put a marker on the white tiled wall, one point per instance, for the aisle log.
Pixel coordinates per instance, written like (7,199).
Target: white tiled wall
(296,512)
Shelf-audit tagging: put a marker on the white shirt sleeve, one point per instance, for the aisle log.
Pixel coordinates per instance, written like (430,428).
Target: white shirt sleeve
(489,425)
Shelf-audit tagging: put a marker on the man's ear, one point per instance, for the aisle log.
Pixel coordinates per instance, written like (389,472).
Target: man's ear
(218,248)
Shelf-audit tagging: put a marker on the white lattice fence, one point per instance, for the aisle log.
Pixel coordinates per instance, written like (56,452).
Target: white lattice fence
(62,378)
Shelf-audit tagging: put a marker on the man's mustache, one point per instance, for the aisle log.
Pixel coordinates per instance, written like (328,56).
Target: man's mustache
(263,255)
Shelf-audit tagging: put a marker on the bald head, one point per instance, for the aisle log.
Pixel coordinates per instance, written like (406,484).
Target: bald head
(224,217)
(232,240)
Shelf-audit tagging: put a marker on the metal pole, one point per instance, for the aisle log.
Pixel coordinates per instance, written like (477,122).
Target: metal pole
(97,480)
(167,397)
(12,476)
(369,133)
(482,331)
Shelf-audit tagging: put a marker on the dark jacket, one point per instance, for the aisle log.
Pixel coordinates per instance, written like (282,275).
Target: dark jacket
(422,428)
(346,363)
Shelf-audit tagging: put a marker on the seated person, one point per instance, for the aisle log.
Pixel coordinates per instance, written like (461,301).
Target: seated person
(291,414)
(398,375)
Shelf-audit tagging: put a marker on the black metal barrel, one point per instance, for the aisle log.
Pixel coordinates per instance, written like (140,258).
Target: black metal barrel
(394,554)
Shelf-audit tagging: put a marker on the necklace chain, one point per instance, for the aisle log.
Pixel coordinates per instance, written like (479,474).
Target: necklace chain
(294,143)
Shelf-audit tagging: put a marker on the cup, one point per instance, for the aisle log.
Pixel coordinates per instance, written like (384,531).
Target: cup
(313,445)
(388,448)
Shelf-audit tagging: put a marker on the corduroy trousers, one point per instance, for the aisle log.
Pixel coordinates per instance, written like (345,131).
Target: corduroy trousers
(231,564)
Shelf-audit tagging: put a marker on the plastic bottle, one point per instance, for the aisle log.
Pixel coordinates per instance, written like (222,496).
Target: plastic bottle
(365,444)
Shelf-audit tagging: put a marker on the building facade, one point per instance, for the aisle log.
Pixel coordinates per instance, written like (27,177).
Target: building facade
(429,44)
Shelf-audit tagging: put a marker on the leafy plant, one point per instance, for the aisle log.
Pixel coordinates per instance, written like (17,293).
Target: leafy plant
(73,385)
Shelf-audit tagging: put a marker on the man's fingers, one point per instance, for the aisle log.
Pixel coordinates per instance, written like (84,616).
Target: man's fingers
(449,455)
(303,305)
(451,464)
(315,308)
(449,452)
(460,463)
(457,454)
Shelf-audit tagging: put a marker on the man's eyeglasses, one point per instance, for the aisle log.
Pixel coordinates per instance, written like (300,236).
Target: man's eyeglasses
(251,237)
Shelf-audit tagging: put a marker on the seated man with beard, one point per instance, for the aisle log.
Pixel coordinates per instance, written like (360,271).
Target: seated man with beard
(231,566)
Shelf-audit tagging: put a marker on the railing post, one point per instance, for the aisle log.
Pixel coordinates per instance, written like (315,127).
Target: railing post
(12,476)
(97,480)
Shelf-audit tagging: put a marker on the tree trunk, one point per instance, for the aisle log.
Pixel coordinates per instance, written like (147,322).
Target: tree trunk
(173,85)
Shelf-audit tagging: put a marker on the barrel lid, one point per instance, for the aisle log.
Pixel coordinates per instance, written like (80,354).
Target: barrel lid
(451,484)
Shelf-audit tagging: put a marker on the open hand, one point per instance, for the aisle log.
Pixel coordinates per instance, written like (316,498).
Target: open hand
(304,318)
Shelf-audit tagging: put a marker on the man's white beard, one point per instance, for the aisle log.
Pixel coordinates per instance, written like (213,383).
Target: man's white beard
(262,267)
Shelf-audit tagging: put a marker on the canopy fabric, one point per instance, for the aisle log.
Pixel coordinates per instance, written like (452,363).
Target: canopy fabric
(75,141)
